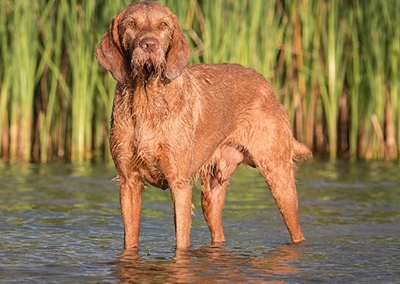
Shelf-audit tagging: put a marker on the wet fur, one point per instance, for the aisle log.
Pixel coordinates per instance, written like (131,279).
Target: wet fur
(172,123)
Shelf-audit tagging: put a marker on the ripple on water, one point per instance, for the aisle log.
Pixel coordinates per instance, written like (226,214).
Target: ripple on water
(62,225)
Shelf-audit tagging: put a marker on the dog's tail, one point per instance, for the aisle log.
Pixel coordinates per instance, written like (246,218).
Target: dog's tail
(301,151)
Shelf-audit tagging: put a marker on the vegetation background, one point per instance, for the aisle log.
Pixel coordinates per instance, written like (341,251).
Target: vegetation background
(334,65)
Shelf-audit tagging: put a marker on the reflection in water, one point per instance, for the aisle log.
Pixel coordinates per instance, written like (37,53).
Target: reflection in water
(209,264)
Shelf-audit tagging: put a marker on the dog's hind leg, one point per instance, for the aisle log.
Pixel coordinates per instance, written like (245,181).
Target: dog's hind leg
(280,178)
(214,185)
(274,157)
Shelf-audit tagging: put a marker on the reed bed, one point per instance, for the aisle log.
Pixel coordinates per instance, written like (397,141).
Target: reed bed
(334,65)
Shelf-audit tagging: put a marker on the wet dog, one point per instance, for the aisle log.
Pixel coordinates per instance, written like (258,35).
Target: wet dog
(172,123)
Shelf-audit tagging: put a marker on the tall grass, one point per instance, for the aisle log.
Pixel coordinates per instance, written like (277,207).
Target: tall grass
(334,65)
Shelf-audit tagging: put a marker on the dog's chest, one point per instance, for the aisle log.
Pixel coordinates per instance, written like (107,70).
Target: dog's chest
(161,133)
(150,144)
(163,149)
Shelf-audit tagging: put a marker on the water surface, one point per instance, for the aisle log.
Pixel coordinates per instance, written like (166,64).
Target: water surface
(61,224)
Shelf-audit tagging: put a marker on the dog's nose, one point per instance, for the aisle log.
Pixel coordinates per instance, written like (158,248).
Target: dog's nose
(149,44)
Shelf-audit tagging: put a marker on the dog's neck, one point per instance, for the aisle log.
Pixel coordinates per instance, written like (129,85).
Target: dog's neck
(149,100)
(154,101)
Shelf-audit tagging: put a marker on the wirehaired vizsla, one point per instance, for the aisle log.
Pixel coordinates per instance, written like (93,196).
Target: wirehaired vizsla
(172,123)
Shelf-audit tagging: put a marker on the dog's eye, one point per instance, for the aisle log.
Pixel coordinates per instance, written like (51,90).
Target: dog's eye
(132,24)
(163,25)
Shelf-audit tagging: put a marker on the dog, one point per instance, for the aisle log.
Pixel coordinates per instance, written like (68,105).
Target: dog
(172,123)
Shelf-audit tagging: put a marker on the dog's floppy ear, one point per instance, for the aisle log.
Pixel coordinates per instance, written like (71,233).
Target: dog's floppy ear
(179,52)
(109,53)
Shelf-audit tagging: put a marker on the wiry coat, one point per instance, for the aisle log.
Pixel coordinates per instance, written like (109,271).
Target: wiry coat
(172,122)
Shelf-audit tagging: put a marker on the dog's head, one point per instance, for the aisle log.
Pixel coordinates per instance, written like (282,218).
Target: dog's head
(144,40)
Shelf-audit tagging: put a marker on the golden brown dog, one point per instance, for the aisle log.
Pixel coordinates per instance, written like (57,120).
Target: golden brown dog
(172,122)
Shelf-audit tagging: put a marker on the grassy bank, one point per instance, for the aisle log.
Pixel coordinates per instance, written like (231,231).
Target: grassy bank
(334,64)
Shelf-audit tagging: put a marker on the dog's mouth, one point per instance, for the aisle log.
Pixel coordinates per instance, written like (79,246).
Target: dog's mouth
(147,65)
(149,68)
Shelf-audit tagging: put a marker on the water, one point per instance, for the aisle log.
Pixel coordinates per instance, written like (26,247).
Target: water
(61,224)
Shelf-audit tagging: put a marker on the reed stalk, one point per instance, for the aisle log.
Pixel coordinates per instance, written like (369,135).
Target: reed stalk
(4,78)
(52,83)
(23,64)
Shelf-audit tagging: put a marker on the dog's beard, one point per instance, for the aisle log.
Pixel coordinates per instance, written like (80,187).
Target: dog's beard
(147,65)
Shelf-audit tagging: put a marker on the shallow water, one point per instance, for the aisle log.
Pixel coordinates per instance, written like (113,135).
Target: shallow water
(61,224)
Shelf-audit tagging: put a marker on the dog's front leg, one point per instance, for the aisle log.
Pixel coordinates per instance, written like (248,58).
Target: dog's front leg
(181,193)
(131,191)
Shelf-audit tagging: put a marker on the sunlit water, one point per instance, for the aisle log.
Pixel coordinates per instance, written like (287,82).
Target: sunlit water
(61,224)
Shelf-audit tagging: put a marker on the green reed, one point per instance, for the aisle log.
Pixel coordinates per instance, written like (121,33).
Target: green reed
(18,77)
(334,65)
